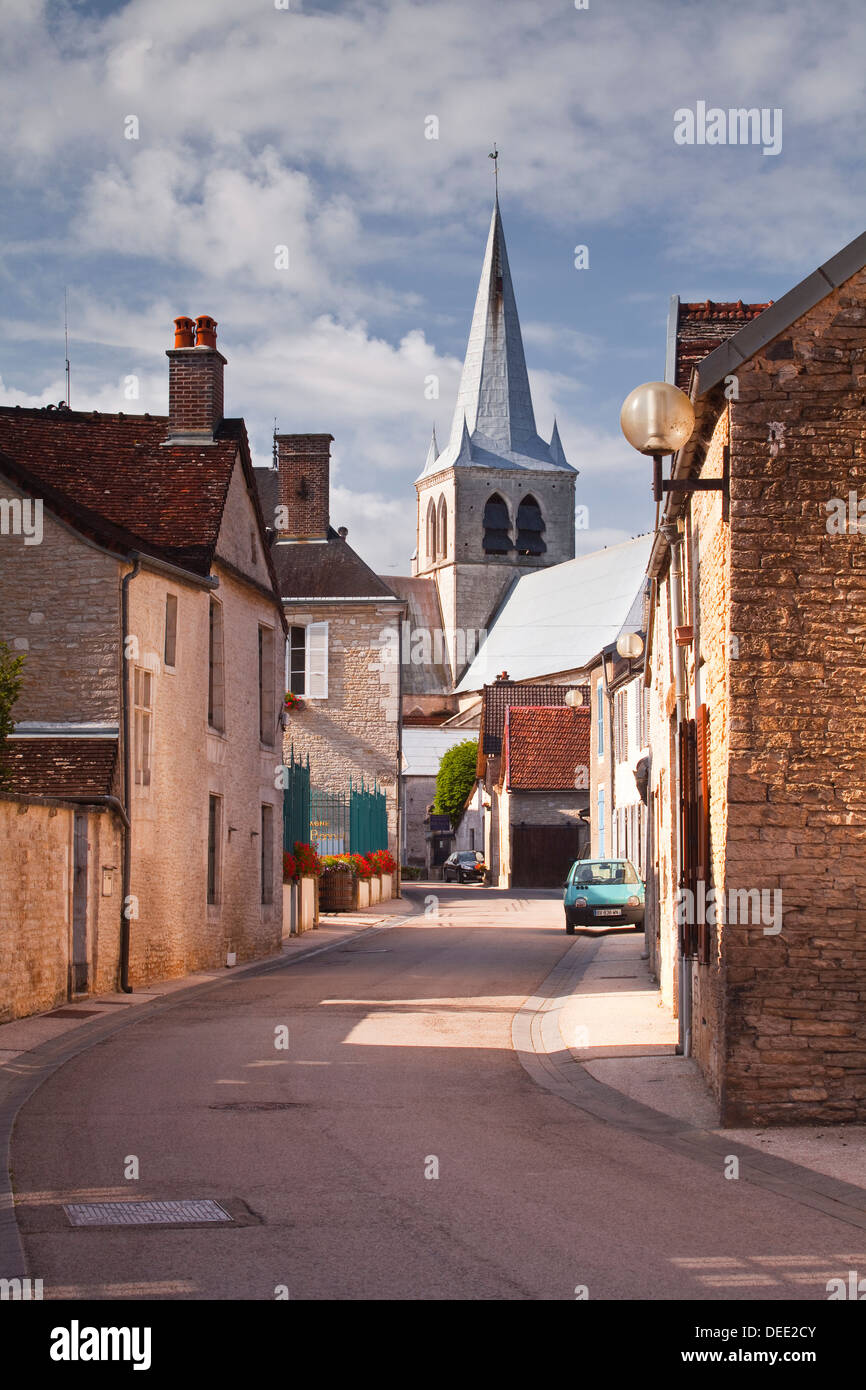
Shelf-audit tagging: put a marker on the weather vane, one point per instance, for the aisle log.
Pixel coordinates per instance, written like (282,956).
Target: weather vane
(494,155)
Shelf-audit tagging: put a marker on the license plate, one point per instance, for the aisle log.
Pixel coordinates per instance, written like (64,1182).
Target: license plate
(608,912)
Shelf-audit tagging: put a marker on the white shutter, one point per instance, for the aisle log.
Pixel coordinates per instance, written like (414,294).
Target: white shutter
(317,661)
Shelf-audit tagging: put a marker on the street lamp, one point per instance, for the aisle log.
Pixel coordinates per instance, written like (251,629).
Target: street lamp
(657,418)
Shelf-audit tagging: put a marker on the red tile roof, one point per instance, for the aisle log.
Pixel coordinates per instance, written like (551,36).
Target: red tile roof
(544,747)
(114,478)
(496,699)
(60,766)
(701,328)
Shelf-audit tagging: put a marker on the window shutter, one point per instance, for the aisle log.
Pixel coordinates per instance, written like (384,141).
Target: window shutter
(317,661)
(688,834)
(702,821)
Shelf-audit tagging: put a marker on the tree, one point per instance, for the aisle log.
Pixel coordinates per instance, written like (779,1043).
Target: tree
(455,779)
(10,688)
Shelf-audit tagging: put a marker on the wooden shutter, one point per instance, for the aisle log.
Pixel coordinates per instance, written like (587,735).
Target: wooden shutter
(317,661)
(703,822)
(688,834)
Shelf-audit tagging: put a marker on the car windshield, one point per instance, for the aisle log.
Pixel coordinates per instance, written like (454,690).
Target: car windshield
(604,871)
(469,858)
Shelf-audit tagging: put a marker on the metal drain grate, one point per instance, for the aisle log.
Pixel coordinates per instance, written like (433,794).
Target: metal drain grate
(74,1013)
(144,1213)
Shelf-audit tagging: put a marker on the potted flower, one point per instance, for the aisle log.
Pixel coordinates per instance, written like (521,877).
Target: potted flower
(291,702)
(385,866)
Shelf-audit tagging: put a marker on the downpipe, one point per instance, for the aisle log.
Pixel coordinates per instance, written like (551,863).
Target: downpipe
(672,535)
(125,986)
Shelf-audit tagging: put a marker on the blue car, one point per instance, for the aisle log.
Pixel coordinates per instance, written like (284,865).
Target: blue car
(603,893)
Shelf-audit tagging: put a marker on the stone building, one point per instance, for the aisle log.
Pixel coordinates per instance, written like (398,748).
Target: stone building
(345,626)
(541,794)
(755,660)
(154,640)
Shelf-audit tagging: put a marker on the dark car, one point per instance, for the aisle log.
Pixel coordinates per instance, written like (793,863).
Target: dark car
(467,866)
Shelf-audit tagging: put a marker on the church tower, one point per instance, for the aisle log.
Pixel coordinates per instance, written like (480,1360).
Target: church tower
(498,501)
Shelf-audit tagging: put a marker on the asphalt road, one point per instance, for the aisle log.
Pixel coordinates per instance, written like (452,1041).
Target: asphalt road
(399,1064)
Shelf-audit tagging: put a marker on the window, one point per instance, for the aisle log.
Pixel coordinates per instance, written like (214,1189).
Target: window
(267,694)
(601,842)
(471,839)
(216,675)
(267,854)
(296,660)
(530,525)
(442,530)
(599,713)
(169,654)
(307,661)
(214,840)
(497,527)
(431,529)
(142,724)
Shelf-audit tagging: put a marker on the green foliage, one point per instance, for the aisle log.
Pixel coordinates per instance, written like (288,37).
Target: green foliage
(10,688)
(455,779)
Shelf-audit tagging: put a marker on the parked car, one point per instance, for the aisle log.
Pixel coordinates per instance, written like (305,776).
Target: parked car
(467,866)
(601,893)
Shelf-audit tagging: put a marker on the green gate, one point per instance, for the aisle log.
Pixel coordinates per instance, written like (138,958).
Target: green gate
(296,802)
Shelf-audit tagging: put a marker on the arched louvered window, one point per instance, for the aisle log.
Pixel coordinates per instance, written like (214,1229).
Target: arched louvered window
(530,525)
(442,530)
(497,527)
(431,530)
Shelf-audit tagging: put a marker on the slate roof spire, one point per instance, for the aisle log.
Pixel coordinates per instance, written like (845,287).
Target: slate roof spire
(494,403)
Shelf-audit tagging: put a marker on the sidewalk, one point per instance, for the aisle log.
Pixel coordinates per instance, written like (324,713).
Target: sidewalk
(628,1042)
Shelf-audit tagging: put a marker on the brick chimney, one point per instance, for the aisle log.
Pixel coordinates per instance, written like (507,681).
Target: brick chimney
(195,382)
(305,465)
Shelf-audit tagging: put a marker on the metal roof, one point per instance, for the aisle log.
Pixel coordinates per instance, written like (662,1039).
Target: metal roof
(494,423)
(559,618)
(423,749)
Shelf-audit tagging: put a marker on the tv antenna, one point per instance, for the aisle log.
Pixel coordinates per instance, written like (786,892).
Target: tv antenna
(66,340)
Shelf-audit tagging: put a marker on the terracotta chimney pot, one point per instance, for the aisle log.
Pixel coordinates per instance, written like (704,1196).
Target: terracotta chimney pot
(183,332)
(205,331)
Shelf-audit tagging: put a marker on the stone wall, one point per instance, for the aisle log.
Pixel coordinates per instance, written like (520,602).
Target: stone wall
(796,1023)
(60,607)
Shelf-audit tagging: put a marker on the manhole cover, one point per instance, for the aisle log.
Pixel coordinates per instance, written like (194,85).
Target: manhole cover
(144,1213)
(257,1105)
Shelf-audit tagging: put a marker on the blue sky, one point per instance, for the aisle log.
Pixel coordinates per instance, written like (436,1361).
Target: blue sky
(305,127)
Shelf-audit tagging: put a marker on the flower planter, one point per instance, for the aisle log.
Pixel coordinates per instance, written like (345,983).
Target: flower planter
(300,906)
(375,889)
(364,892)
(387,881)
(338,891)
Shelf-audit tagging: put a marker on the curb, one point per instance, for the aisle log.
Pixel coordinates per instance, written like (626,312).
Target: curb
(542,1051)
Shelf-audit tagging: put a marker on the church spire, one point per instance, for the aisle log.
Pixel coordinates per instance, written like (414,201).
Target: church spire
(494,392)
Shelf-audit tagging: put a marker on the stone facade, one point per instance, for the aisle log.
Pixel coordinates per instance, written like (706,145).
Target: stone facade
(60,607)
(777,604)
(354,733)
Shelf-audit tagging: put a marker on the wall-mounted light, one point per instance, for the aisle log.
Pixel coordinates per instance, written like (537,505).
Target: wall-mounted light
(657,419)
(629,645)
(574,698)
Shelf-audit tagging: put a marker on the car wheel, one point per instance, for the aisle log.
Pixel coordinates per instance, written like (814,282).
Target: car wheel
(569,927)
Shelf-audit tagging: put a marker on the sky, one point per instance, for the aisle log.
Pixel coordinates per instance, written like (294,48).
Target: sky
(262,127)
